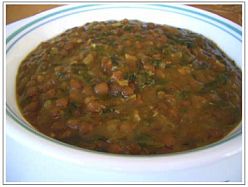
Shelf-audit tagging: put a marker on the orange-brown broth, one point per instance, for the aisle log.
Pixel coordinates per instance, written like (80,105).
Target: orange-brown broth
(131,88)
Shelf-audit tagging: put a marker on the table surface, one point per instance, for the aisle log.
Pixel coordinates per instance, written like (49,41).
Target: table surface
(17,12)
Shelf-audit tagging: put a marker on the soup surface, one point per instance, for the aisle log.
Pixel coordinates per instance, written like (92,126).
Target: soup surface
(130,87)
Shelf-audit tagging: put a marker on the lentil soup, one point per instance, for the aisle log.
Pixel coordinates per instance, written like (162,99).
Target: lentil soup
(130,87)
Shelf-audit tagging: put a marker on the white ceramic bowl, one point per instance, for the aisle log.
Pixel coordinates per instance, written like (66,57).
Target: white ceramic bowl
(31,156)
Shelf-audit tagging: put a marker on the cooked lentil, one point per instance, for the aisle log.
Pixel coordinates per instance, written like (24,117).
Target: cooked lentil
(130,87)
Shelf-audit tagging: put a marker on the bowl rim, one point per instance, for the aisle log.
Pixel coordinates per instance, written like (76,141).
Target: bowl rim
(11,116)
